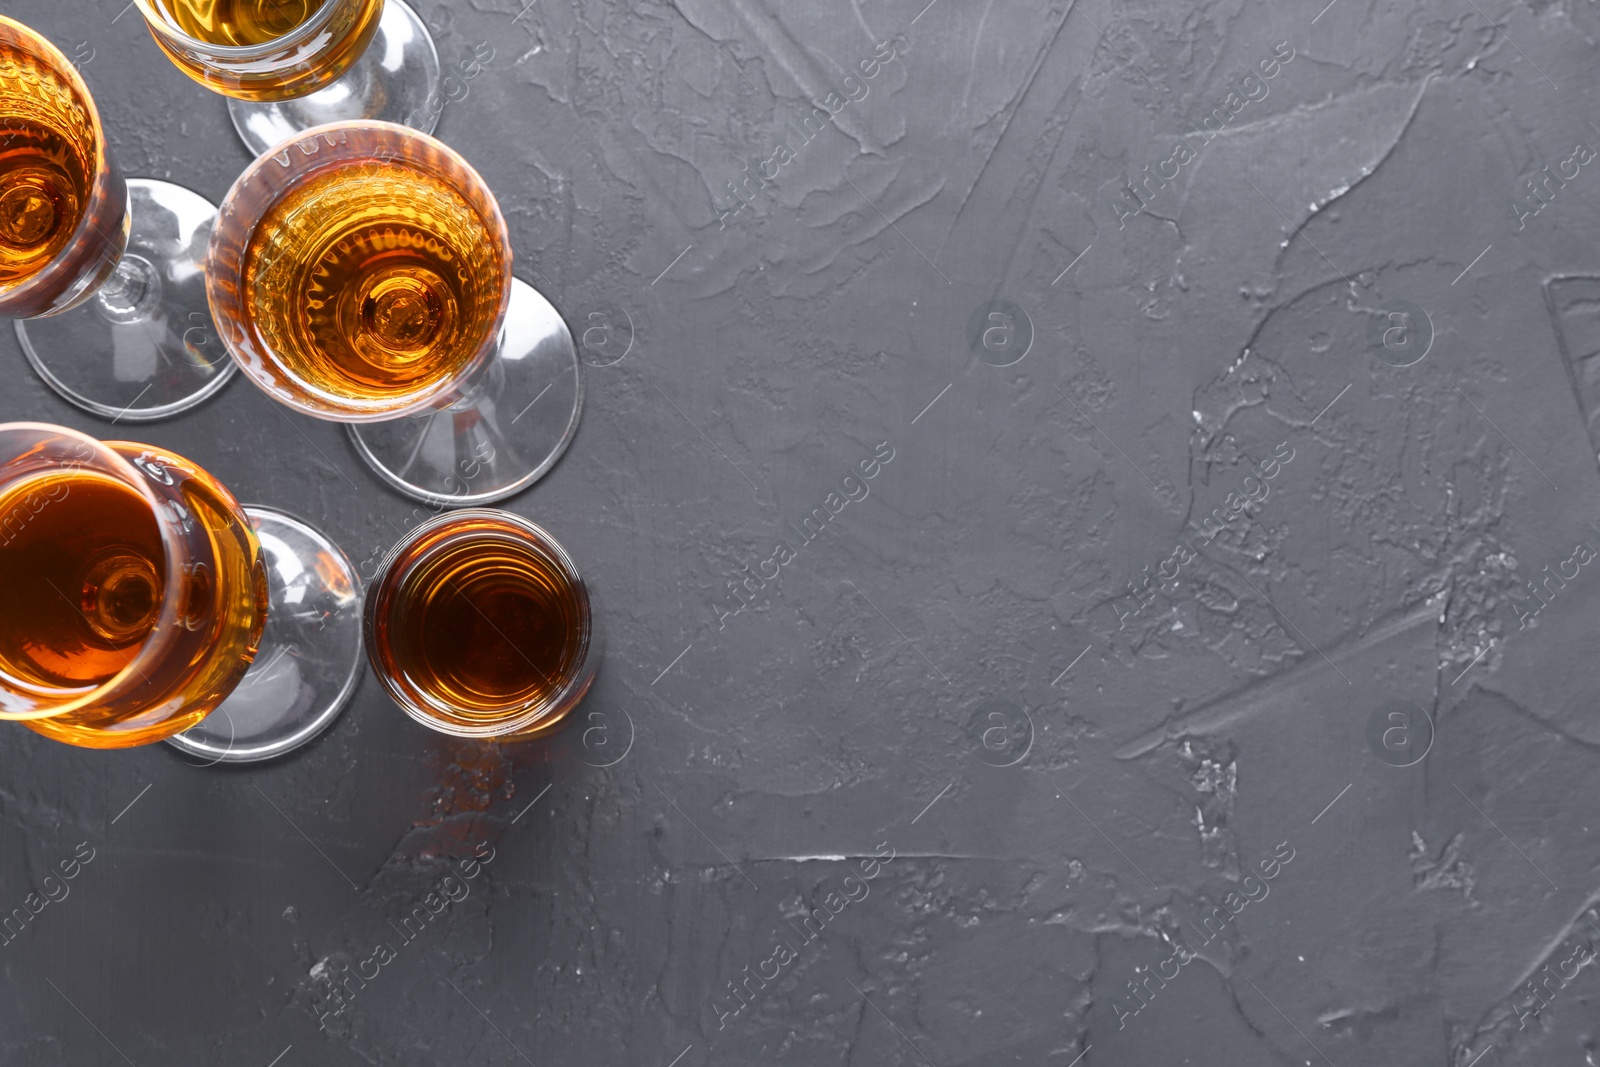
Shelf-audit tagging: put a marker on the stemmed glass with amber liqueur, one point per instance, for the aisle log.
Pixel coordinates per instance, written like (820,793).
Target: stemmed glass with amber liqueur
(289,65)
(479,625)
(140,602)
(361,272)
(103,275)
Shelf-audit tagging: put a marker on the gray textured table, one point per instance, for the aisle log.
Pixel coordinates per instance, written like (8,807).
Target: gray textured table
(1174,689)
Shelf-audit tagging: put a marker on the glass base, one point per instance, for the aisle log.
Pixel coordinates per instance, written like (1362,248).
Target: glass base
(395,80)
(310,657)
(505,433)
(143,347)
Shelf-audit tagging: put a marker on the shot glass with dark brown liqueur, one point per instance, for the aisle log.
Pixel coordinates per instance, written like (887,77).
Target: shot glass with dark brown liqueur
(479,625)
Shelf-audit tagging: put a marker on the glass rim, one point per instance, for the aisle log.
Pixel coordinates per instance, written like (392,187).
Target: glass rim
(102,151)
(158,21)
(333,406)
(172,590)
(545,542)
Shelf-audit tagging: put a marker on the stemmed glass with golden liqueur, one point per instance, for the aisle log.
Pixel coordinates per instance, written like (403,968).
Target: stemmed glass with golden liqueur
(289,65)
(361,272)
(479,625)
(103,275)
(139,600)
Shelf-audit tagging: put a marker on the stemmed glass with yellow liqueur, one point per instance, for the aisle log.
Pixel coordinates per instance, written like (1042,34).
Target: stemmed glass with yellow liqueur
(361,273)
(140,602)
(289,65)
(103,275)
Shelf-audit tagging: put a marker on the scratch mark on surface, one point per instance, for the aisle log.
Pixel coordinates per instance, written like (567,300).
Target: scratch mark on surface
(1022,93)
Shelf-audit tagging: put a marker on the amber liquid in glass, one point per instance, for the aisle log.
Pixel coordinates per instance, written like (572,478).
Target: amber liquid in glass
(372,280)
(82,570)
(83,583)
(47,164)
(238,22)
(303,68)
(483,624)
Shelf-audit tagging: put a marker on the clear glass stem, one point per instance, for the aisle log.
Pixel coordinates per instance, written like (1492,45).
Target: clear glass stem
(507,426)
(395,80)
(310,657)
(143,346)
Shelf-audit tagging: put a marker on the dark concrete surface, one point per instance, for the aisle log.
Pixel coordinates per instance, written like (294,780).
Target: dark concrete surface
(1230,421)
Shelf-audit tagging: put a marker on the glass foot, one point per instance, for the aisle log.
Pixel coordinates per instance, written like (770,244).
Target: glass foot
(142,348)
(395,80)
(310,657)
(505,433)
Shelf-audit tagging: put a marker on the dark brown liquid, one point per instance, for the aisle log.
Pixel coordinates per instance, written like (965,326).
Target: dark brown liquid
(82,569)
(482,622)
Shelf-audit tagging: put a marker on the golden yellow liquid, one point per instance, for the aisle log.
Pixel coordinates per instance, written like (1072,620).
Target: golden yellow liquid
(373,281)
(238,22)
(47,164)
(298,69)
(83,573)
